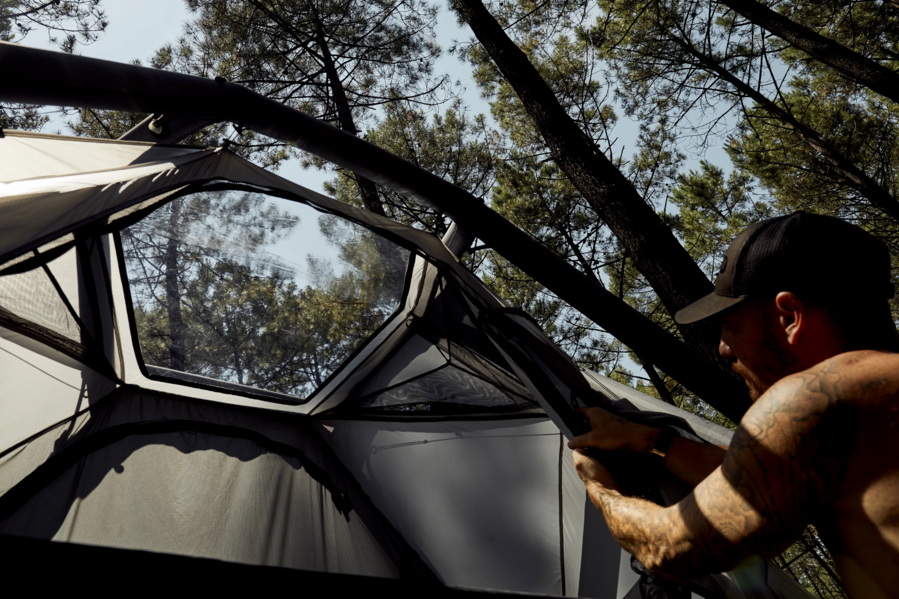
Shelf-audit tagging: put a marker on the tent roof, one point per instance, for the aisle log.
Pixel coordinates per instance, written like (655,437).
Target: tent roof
(123,177)
(27,155)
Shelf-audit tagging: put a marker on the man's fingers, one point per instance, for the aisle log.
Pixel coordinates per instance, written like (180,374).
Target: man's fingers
(579,441)
(592,470)
(581,456)
(594,415)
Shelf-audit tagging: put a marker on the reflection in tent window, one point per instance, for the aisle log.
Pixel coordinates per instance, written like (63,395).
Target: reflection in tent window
(248,289)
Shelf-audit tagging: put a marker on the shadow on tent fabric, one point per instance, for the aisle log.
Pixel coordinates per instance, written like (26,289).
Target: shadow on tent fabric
(480,498)
(143,476)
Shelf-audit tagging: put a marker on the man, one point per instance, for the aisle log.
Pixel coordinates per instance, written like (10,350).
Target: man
(803,304)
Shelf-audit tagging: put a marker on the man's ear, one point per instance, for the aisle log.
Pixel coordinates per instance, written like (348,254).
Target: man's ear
(791,315)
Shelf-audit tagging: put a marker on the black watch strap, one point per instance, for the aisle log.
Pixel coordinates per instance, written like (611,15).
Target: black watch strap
(663,443)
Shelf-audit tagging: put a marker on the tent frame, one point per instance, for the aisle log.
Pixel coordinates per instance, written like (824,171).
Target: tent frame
(184,103)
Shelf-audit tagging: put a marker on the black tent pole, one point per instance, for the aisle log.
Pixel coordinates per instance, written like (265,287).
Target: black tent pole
(45,77)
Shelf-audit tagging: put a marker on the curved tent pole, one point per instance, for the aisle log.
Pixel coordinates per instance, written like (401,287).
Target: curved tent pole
(36,76)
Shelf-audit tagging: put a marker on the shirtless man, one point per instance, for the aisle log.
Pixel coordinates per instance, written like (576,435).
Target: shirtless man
(803,305)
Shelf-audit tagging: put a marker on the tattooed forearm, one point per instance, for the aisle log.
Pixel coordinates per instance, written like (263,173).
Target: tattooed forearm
(633,523)
(665,540)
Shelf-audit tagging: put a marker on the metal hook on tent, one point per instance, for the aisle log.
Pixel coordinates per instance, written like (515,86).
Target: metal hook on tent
(457,239)
(156,125)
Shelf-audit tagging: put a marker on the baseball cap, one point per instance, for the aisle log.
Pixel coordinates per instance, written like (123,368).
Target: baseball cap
(812,255)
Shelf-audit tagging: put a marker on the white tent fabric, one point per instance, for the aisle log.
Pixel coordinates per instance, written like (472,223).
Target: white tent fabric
(451,469)
(31,155)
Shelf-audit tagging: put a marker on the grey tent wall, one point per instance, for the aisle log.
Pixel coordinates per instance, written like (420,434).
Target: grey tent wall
(43,390)
(488,503)
(141,470)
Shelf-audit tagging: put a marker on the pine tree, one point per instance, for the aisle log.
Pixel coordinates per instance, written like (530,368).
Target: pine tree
(337,60)
(67,24)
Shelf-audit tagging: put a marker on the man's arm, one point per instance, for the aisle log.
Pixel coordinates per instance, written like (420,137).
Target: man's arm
(690,461)
(756,503)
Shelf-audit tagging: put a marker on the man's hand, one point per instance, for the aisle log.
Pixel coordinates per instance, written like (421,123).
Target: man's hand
(690,461)
(592,472)
(611,433)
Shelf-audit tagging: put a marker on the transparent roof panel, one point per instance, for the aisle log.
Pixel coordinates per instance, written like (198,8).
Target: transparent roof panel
(244,288)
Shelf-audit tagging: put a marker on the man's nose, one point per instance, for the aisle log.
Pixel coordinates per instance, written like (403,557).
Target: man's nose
(725,350)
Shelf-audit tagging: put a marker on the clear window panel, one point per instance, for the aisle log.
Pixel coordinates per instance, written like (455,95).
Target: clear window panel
(249,289)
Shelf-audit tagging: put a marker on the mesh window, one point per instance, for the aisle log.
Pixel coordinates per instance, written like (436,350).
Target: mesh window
(249,289)
(32,296)
(448,385)
(447,366)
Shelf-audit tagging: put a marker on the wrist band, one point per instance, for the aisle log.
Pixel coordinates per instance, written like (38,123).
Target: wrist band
(663,443)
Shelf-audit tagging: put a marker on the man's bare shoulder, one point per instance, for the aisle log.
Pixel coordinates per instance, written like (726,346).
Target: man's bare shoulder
(825,420)
(836,423)
(857,378)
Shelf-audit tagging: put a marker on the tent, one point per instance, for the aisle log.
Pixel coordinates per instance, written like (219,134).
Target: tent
(372,412)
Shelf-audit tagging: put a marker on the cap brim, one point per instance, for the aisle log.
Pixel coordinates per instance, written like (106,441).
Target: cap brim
(704,307)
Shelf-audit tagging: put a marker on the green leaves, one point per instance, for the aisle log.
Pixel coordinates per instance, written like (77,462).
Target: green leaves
(451,144)
(713,210)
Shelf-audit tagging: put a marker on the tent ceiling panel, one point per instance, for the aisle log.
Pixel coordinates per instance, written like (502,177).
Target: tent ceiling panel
(418,356)
(480,500)
(446,385)
(36,211)
(48,208)
(25,155)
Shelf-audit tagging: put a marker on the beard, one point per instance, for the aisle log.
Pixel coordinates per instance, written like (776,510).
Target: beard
(752,380)
(773,361)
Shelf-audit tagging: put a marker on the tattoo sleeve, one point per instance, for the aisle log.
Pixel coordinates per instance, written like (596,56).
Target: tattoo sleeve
(756,503)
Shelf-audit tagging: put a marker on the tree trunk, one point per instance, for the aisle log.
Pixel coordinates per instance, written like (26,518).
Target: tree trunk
(367,189)
(177,353)
(855,177)
(655,251)
(850,64)
(656,380)
(394,268)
